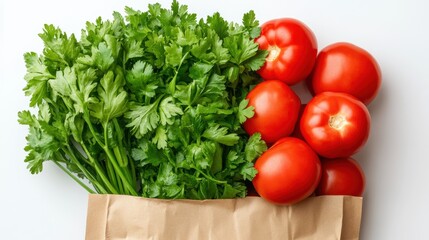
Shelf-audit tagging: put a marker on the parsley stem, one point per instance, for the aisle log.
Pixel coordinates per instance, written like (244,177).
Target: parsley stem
(172,84)
(210,177)
(122,155)
(118,156)
(133,173)
(80,155)
(112,176)
(74,177)
(121,162)
(99,170)
(70,153)
(121,150)
(109,154)
(92,180)
(119,181)
(92,130)
(116,167)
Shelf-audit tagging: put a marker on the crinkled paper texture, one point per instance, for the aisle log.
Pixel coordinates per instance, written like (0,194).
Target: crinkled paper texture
(252,218)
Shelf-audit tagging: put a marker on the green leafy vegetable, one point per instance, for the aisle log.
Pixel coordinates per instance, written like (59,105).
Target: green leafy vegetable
(150,104)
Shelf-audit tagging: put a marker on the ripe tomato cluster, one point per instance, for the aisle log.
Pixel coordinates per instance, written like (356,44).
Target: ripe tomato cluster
(310,144)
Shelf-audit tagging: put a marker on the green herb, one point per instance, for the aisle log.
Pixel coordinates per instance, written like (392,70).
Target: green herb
(150,104)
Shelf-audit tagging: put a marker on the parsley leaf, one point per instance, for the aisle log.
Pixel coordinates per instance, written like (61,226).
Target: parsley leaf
(173,54)
(255,147)
(251,24)
(37,78)
(112,100)
(143,118)
(160,138)
(248,171)
(244,111)
(241,48)
(141,80)
(218,24)
(41,145)
(220,135)
(60,50)
(167,110)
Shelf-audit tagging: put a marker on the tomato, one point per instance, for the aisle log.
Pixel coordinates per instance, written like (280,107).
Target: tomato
(288,172)
(335,124)
(292,50)
(344,67)
(276,110)
(341,176)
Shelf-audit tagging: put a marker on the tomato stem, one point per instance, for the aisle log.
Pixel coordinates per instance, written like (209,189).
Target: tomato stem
(273,54)
(337,121)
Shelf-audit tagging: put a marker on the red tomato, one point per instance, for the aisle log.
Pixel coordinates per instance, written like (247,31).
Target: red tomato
(292,50)
(335,124)
(344,67)
(288,172)
(276,110)
(341,176)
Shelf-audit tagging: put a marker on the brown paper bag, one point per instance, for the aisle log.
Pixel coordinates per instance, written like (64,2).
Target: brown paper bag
(252,218)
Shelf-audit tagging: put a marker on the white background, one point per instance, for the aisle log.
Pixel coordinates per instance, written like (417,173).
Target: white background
(396,202)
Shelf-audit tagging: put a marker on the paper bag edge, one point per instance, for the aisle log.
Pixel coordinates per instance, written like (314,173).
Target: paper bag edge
(96,220)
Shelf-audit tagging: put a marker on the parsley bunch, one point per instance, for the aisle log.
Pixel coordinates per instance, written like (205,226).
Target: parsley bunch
(147,104)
